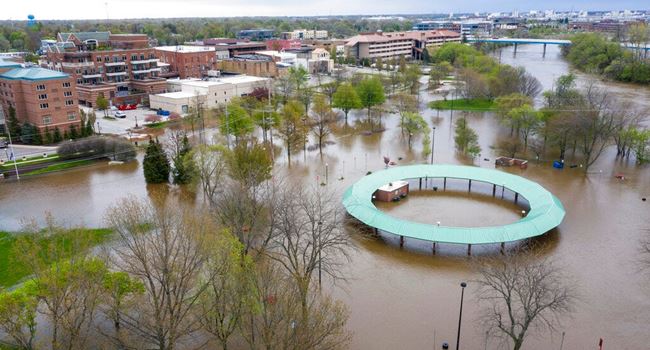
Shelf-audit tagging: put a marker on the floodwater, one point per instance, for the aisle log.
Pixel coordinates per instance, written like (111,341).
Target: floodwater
(408,298)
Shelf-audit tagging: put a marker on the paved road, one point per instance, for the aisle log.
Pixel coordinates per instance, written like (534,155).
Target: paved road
(22,150)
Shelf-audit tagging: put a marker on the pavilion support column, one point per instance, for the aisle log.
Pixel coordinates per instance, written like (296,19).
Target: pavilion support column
(420,183)
(469,250)
(494,190)
(434,248)
(444,184)
(515,53)
(544,53)
(469,189)
(516,197)
(503,248)
(401,241)
(376,232)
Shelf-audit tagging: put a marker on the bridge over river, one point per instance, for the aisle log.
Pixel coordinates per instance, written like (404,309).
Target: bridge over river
(528,41)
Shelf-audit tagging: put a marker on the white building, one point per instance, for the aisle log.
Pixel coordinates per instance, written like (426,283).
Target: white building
(305,34)
(186,93)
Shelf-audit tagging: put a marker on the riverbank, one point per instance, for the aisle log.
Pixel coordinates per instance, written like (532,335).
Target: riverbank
(464,104)
(62,244)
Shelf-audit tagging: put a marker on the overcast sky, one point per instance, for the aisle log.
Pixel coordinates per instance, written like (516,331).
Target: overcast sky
(89,9)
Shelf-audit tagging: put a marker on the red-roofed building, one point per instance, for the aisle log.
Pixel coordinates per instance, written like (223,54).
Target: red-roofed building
(396,44)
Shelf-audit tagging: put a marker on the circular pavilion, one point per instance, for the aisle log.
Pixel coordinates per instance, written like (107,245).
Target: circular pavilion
(546,212)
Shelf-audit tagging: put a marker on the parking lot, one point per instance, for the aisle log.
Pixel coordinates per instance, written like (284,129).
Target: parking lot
(119,126)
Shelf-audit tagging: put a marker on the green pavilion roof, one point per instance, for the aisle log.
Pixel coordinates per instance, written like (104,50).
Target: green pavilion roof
(546,211)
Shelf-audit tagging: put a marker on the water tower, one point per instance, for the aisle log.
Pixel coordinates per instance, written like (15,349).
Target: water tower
(31,20)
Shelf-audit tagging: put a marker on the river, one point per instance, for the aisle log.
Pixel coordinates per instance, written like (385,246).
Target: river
(408,298)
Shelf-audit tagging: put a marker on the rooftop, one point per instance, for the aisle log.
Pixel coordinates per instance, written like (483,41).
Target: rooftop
(546,211)
(177,95)
(33,73)
(9,64)
(185,48)
(99,36)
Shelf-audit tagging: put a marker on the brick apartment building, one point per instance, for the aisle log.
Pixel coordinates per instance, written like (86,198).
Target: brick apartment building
(396,44)
(186,61)
(235,47)
(41,97)
(256,65)
(121,67)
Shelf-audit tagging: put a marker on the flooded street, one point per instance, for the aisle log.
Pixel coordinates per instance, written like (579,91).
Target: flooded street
(408,298)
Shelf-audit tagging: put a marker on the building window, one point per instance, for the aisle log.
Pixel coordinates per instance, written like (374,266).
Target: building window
(72,116)
(67,93)
(99,58)
(66,84)
(42,96)
(44,106)
(47,120)
(40,87)
(69,102)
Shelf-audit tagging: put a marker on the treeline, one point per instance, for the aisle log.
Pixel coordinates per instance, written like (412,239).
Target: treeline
(480,76)
(595,54)
(18,36)
(29,134)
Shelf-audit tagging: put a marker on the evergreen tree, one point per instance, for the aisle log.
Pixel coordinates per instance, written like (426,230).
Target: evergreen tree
(181,174)
(56,138)
(49,138)
(73,132)
(13,124)
(27,132)
(66,135)
(37,139)
(155,164)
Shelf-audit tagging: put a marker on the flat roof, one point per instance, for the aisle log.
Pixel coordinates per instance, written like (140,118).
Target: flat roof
(33,73)
(392,186)
(185,48)
(546,210)
(9,64)
(237,79)
(176,95)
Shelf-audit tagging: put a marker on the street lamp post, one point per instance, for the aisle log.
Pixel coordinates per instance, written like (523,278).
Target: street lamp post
(460,315)
(99,130)
(136,121)
(433,138)
(326,174)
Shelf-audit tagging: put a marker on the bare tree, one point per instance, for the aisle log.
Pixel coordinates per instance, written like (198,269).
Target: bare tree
(164,247)
(323,116)
(521,294)
(275,319)
(229,275)
(308,238)
(596,125)
(208,168)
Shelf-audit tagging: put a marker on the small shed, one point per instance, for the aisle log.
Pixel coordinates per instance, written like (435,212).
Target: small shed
(393,191)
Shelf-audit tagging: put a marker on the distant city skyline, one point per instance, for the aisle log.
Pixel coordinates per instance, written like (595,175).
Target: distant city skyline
(118,9)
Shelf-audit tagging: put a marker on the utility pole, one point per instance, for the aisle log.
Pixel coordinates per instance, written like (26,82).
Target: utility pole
(433,139)
(13,154)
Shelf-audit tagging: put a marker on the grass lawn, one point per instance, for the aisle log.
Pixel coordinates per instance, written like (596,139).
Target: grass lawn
(478,105)
(12,270)
(60,166)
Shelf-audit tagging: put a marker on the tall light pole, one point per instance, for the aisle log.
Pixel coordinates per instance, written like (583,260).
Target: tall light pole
(11,146)
(460,315)
(320,224)
(326,174)
(433,139)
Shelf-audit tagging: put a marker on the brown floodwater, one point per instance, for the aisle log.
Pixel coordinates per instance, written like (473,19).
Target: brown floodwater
(408,298)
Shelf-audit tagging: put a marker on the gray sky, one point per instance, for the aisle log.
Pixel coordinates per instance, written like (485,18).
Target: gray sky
(85,9)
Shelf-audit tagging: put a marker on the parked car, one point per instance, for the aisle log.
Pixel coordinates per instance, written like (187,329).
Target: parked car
(120,114)
(3,144)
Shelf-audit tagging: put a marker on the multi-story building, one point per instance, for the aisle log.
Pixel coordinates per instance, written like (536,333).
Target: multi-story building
(42,97)
(255,34)
(305,34)
(283,44)
(121,67)
(186,61)
(235,47)
(437,25)
(396,44)
(256,65)
(185,94)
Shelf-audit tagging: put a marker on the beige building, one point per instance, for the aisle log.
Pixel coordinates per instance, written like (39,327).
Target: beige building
(305,34)
(186,93)
(409,44)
